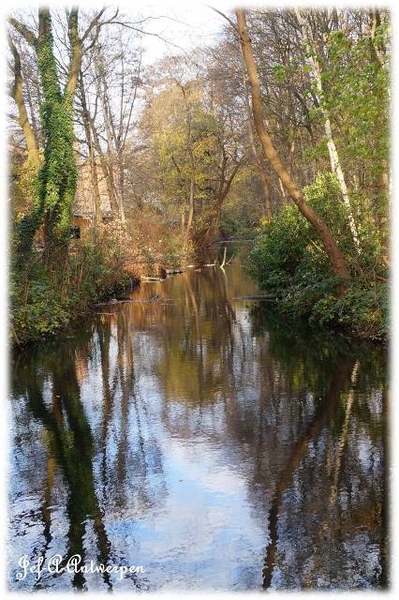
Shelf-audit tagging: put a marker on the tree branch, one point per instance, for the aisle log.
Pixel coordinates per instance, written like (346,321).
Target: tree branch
(23,30)
(233,25)
(94,23)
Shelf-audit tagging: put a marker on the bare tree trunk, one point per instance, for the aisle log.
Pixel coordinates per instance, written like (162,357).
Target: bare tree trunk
(97,212)
(116,196)
(108,174)
(282,189)
(336,258)
(33,105)
(258,158)
(29,134)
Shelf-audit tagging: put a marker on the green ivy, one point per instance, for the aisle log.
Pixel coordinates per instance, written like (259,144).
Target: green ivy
(55,183)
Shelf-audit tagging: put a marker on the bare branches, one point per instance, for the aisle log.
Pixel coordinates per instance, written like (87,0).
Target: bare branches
(95,23)
(230,22)
(128,25)
(77,42)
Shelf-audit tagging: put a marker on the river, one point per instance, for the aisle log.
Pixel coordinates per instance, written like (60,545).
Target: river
(197,436)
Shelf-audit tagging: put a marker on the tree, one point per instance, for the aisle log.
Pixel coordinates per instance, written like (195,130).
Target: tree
(113,80)
(357,96)
(87,127)
(196,149)
(23,119)
(336,258)
(332,148)
(57,175)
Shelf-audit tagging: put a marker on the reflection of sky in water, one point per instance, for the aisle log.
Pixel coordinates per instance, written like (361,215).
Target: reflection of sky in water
(211,520)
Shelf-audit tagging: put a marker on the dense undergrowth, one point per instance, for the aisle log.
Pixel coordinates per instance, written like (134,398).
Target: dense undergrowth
(288,260)
(39,308)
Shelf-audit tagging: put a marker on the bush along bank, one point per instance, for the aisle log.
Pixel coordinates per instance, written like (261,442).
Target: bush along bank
(40,309)
(289,261)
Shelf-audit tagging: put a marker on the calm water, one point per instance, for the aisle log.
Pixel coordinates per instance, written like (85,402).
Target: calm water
(200,437)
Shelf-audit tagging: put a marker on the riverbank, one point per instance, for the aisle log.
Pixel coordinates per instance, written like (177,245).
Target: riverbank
(40,310)
(362,313)
(289,261)
(42,307)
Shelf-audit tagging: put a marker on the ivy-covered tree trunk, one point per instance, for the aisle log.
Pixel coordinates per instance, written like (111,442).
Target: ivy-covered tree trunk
(57,176)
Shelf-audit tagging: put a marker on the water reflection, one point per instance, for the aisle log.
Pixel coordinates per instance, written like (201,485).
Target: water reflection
(204,438)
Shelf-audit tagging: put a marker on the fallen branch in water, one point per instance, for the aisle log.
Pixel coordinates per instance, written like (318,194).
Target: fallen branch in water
(264,297)
(152,278)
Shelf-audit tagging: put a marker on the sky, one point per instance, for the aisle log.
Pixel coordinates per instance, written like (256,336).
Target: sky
(177,27)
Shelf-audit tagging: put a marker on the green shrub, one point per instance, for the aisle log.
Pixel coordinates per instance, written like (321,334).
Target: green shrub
(40,309)
(289,260)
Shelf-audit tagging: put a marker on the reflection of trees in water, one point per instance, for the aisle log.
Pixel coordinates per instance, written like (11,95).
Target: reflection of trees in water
(283,404)
(196,341)
(133,471)
(204,358)
(329,499)
(310,439)
(128,457)
(70,445)
(201,354)
(323,412)
(332,483)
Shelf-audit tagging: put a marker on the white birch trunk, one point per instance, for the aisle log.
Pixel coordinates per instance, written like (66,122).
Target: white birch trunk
(332,149)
